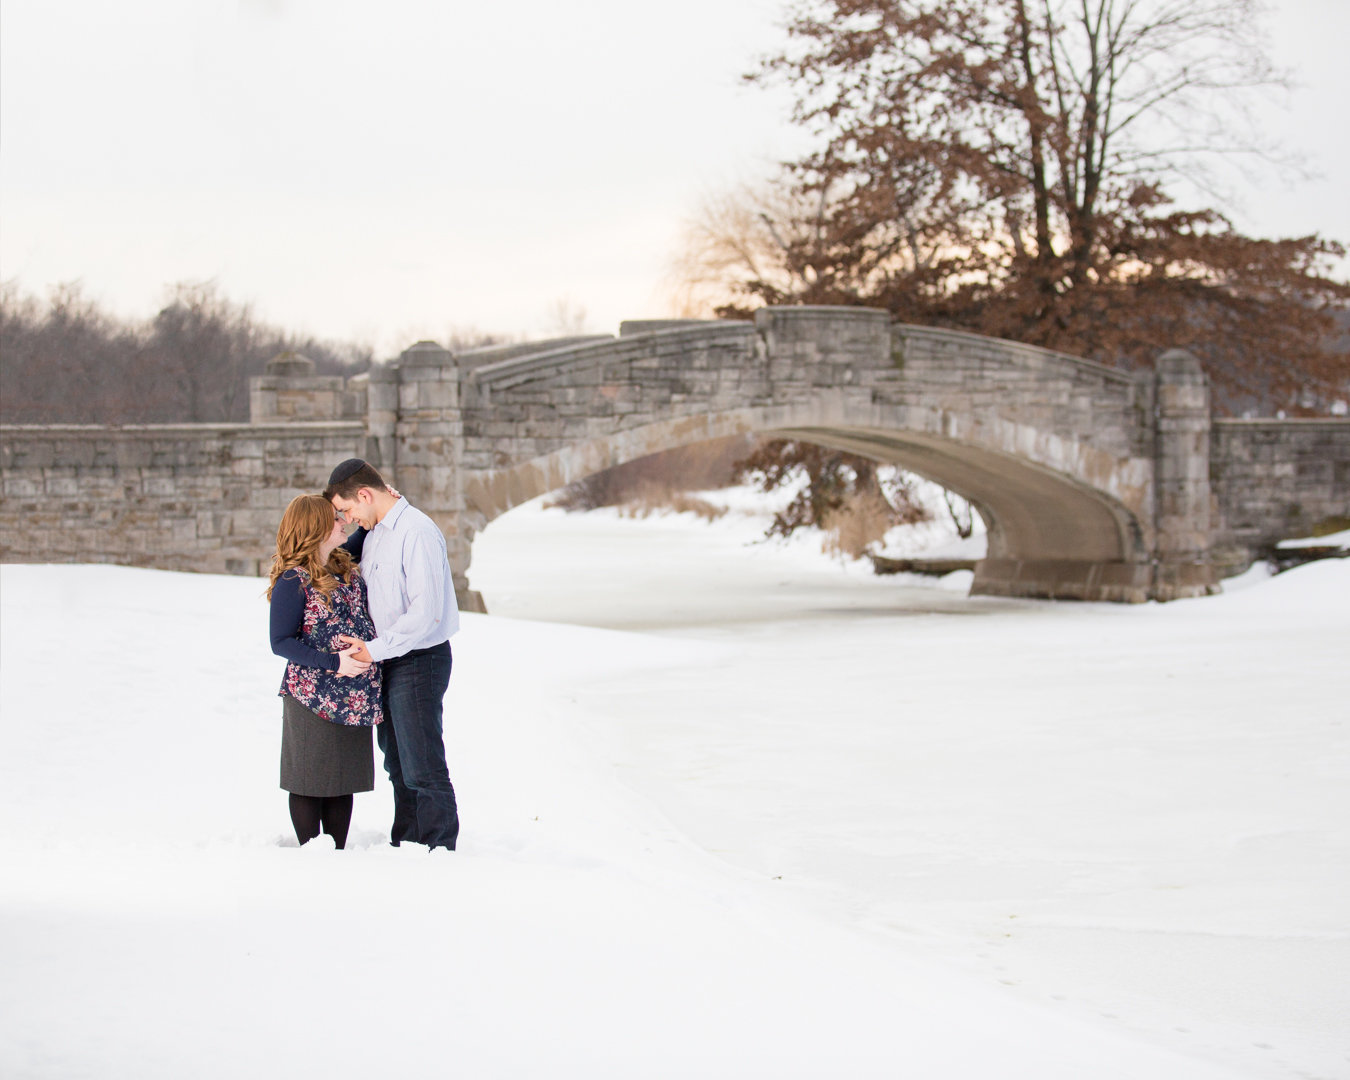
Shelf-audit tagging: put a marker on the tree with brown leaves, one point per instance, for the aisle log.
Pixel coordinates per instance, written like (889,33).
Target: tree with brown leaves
(1006,167)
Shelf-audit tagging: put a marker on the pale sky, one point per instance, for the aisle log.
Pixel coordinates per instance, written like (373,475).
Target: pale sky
(384,172)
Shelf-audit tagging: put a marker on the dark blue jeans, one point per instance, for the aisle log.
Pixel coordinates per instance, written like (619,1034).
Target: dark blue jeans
(414,749)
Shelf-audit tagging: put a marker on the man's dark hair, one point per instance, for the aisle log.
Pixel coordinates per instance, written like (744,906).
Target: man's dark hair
(350,477)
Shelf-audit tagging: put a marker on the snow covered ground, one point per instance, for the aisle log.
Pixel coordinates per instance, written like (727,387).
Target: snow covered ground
(751,814)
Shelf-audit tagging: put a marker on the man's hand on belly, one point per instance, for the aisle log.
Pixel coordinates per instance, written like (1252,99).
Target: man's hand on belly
(361,653)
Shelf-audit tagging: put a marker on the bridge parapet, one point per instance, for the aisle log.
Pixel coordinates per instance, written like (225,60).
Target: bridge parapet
(967,374)
(468,359)
(532,405)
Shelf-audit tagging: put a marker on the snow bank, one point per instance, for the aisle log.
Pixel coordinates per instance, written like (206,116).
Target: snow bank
(821,840)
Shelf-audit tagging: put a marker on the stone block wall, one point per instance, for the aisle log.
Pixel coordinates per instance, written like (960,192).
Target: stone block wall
(199,497)
(1275,479)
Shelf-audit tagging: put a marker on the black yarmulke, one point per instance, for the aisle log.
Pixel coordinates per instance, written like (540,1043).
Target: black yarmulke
(346,470)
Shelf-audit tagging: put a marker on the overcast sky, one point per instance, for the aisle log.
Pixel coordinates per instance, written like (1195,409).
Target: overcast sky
(389,171)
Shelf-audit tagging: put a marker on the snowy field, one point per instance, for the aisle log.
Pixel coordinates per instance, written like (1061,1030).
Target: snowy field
(729,811)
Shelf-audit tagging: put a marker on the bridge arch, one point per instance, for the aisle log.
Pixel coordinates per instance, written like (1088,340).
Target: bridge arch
(1049,533)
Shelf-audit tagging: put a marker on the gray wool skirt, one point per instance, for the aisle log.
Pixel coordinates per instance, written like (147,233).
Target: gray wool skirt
(323,759)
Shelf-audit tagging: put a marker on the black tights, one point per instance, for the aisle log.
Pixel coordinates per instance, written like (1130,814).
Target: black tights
(308,812)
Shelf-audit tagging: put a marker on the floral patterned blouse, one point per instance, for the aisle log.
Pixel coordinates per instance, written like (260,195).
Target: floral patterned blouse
(305,631)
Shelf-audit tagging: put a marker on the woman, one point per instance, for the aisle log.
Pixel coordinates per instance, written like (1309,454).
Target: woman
(330,700)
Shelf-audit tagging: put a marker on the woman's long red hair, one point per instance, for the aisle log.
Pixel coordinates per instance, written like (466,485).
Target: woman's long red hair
(304,527)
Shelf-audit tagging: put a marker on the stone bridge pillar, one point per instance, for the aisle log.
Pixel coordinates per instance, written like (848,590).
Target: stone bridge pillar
(826,351)
(382,417)
(1181,518)
(290,390)
(418,429)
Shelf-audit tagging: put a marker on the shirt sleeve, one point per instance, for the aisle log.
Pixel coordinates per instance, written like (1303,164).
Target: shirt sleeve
(287,622)
(355,544)
(425,571)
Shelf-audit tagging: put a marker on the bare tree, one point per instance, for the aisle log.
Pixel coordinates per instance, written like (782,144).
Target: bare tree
(566,318)
(837,489)
(69,351)
(70,361)
(961,513)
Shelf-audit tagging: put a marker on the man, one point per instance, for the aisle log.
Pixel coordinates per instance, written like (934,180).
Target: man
(412,604)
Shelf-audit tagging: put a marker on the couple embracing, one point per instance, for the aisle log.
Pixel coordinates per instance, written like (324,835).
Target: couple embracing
(364,623)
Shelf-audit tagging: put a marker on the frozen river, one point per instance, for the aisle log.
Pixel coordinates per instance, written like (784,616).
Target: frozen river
(1139,813)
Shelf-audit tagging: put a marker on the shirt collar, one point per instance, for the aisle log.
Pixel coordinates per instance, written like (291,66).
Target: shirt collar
(395,512)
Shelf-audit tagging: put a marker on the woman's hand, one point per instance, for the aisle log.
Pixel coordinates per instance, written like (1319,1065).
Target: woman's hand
(349,665)
(357,644)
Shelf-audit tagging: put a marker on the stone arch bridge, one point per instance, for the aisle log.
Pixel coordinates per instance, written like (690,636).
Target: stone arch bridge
(1094,483)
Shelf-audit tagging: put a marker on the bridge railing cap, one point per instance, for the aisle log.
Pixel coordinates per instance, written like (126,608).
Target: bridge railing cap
(290,363)
(426,354)
(816,310)
(1175,362)
(646,326)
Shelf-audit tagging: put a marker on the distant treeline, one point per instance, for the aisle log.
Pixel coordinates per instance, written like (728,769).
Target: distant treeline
(67,361)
